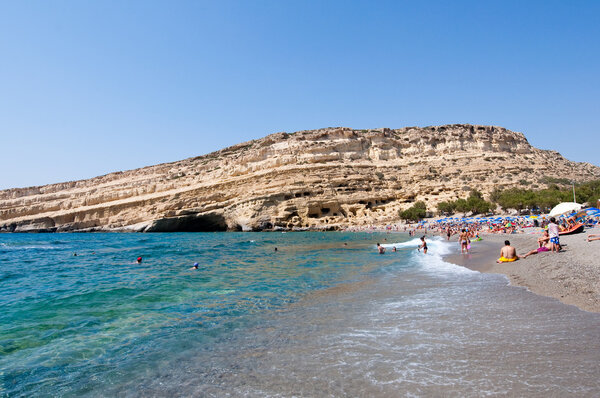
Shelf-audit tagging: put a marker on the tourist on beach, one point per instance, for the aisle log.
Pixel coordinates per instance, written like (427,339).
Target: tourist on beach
(553,233)
(423,245)
(380,249)
(507,253)
(544,239)
(545,248)
(592,237)
(464,241)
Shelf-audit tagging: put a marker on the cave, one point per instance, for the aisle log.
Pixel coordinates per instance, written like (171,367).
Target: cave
(190,223)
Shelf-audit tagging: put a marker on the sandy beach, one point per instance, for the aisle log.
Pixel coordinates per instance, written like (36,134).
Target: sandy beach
(572,276)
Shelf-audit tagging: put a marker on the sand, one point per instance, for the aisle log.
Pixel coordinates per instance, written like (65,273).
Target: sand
(571,276)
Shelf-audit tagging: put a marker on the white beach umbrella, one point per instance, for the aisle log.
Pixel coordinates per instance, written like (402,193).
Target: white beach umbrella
(565,207)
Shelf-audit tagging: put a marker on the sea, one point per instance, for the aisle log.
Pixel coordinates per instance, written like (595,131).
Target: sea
(297,314)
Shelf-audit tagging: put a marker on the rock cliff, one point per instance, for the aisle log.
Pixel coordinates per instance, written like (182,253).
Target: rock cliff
(321,179)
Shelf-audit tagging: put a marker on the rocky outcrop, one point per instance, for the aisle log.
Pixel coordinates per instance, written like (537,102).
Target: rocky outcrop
(321,179)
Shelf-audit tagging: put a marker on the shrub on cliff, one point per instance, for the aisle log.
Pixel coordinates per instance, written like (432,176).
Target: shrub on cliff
(474,204)
(415,213)
(446,207)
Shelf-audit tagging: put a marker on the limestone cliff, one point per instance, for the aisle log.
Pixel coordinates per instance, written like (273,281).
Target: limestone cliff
(326,178)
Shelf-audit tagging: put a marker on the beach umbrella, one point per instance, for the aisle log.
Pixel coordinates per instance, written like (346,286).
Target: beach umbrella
(590,211)
(565,207)
(586,213)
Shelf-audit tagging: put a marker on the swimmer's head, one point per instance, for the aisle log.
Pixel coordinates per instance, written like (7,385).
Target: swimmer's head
(195,265)
(139,259)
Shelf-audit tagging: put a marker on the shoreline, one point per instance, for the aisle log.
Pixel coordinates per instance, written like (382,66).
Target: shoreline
(571,276)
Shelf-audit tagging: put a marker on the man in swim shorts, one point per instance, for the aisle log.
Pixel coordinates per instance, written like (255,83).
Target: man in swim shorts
(464,241)
(545,248)
(507,253)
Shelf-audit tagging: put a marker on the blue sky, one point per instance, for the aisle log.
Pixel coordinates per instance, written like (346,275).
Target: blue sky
(88,88)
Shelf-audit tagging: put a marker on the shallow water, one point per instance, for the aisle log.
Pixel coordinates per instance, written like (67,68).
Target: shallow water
(315,318)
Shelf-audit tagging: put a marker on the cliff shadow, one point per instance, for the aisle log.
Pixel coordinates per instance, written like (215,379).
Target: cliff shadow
(190,223)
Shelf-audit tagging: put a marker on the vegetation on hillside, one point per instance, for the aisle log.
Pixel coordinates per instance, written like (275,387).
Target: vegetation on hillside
(415,213)
(545,199)
(521,199)
(474,204)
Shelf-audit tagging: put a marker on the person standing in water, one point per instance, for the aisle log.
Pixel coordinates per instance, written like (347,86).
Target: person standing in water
(423,245)
(464,241)
(380,249)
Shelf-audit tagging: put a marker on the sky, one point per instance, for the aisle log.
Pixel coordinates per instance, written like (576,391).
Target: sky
(92,87)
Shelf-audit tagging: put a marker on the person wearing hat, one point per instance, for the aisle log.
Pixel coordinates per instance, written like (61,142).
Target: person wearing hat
(139,260)
(195,266)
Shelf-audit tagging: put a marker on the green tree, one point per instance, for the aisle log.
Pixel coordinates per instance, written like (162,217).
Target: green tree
(415,213)
(446,207)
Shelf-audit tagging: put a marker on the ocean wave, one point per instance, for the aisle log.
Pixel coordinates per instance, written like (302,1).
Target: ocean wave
(433,261)
(5,247)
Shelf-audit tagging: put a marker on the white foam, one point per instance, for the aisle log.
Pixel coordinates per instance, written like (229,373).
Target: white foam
(433,261)
(4,246)
(437,248)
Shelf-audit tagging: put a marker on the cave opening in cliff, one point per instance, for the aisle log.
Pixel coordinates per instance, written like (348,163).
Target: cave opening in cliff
(192,223)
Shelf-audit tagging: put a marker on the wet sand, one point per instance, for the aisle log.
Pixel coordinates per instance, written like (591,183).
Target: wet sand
(572,276)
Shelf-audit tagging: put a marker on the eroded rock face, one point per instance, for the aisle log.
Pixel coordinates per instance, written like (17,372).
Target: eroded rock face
(321,179)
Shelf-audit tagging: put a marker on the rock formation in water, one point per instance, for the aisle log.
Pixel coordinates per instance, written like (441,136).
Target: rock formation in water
(320,179)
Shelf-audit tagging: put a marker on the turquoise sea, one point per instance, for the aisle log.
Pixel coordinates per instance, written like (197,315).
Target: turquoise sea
(323,315)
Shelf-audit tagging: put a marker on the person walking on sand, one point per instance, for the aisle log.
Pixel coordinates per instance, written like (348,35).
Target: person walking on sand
(507,253)
(423,245)
(553,233)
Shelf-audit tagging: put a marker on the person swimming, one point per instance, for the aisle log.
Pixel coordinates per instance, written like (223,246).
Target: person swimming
(195,266)
(139,260)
